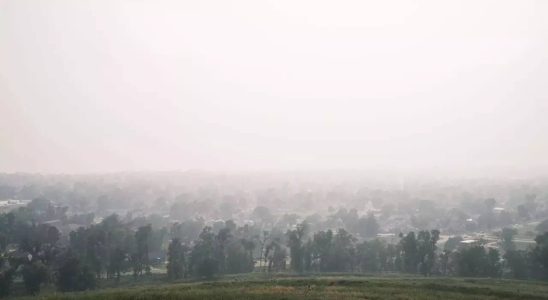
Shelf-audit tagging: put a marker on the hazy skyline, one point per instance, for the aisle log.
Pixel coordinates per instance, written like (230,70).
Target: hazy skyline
(103,86)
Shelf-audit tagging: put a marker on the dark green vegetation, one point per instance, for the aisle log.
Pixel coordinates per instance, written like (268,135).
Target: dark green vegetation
(106,252)
(64,246)
(328,287)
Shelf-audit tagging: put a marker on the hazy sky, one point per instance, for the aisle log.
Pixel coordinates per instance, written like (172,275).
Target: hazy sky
(92,86)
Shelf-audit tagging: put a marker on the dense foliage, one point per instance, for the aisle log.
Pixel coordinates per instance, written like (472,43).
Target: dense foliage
(39,254)
(72,245)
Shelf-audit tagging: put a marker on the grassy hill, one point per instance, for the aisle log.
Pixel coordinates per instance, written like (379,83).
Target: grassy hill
(333,287)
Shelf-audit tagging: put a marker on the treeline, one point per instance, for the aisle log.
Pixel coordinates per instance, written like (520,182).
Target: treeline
(40,255)
(417,253)
(327,251)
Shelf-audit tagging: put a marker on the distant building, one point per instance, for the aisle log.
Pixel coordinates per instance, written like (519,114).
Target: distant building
(390,238)
(55,223)
(469,243)
(12,204)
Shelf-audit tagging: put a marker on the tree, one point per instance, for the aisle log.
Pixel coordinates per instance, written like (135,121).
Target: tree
(202,258)
(34,275)
(426,251)
(371,256)
(6,280)
(116,263)
(368,226)
(287,221)
(263,245)
(221,242)
(476,261)
(262,214)
(91,245)
(187,231)
(505,218)
(409,253)
(518,263)
(493,263)
(73,276)
(140,260)
(104,247)
(321,249)
(488,219)
(207,267)
(524,212)
(542,227)
(343,252)
(247,262)
(276,256)
(540,252)
(507,238)
(444,262)
(489,204)
(295,242)
(176,260)
(239,258)
(452,243)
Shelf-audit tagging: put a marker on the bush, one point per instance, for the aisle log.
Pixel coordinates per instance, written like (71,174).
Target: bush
(73,276)
(34,274)
(6,280)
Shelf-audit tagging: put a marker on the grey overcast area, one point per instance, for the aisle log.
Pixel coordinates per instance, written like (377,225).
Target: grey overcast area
(262,149)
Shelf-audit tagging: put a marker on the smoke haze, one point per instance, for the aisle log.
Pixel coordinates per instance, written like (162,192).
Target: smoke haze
(103,86)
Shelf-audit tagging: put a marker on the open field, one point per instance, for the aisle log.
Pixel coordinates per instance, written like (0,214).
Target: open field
(333,287)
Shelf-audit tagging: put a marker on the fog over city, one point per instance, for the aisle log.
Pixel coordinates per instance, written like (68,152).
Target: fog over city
(108,86)
(273,149)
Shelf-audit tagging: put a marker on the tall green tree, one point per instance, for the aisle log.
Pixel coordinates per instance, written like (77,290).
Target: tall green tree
(176,260)
(74,276)
(409,252)
(517,261)
(507,238)
(35,273)
(141,261)
(368,226)
(540,252)
(295,242)
(203,261)
(426,250)
(276,256)
(477,261)
(7,274)
(342,256)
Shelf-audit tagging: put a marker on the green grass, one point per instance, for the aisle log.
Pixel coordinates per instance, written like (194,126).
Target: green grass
(322,287)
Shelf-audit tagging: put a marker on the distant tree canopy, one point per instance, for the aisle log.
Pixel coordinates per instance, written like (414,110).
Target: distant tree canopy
(46,244)
(542,226)
(478,261)
(507,238)
(74,276)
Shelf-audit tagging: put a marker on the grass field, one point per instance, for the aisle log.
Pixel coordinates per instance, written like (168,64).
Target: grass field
(333,287)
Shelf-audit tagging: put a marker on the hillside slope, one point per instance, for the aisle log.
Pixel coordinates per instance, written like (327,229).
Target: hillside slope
(342,287)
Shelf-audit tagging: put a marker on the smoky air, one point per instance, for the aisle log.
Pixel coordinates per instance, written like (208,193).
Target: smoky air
(273,149)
